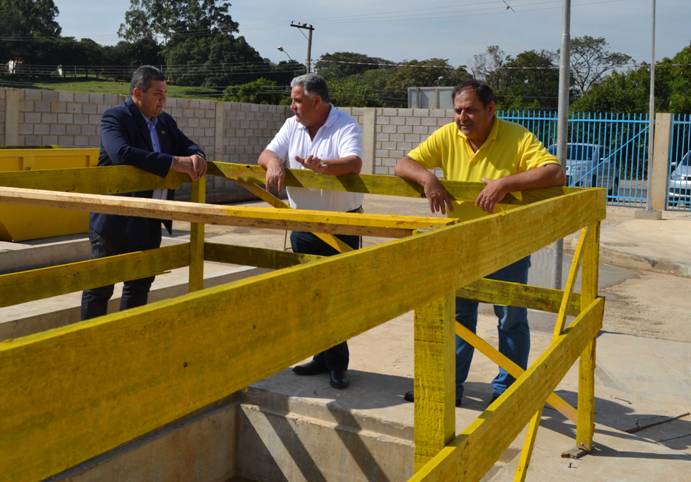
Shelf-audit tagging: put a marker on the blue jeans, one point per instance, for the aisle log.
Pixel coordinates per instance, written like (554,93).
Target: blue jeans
(514,334)
(338,356)
(134,292)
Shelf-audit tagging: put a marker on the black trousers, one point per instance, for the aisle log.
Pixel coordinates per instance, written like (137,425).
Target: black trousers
(134,292)
(338,356)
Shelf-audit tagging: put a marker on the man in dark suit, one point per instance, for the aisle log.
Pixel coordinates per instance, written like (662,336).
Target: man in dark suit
(140,134)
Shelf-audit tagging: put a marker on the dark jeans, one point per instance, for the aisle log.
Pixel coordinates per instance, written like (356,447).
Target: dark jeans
(336,357)
(134,292)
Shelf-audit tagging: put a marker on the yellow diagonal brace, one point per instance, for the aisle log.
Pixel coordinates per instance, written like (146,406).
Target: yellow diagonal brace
(561,405)
(528,445)
(531,434)
(570,283)
(266,196)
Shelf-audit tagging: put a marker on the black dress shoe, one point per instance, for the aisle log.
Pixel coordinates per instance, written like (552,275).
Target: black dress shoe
(313,367)
(410,397)
(339,379)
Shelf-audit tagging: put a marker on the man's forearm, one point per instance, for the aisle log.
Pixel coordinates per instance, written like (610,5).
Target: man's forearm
(545,176)
(269,159)
(339,167)
(412,171)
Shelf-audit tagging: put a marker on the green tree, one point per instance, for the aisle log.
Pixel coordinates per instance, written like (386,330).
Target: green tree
(22,22)
(529,81)
(130,55)
(629,91)
(679,81)
(342,64)
(214,61)
(591,61)
(423,73)
(487,66)
(618,92)
(28,18)
(258,91)
(176,19)
(198,42)
(352,92)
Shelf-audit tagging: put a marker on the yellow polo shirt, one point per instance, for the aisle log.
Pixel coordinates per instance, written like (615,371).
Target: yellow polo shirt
(509,149)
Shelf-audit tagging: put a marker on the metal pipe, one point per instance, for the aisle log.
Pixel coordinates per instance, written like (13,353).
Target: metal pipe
(563,120)
(651,118)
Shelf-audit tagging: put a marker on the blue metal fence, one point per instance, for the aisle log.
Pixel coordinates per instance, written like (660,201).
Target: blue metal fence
(679,176)
(604,149)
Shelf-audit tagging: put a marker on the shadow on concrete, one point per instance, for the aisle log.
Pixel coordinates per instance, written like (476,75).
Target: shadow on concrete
(627,423)
(256,450)
(290,432)
(347,430)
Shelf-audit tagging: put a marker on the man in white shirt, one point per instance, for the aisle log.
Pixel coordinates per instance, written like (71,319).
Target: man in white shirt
(321,138)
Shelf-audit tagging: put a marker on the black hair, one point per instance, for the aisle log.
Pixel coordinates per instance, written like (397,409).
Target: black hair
(482,90)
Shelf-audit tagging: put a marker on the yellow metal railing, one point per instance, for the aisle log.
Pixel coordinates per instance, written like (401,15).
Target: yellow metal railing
(77,391)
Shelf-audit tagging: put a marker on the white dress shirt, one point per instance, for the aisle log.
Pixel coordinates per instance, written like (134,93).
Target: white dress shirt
(340,136)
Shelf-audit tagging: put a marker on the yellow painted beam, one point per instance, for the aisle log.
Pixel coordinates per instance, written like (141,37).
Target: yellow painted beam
(77,391)
(295,219)
(570,283)
(528,445)
(585,428)
(435,377)
(258,257)
(477,448)
(517,294)
(99,180)
(559,404)
(371,184)
(266,196)
(41,283)
(196,270)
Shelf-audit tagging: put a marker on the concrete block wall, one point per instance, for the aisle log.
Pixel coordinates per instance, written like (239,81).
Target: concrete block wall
(242,132)
(197,119)
(68,119)
(400,130)
(226,131)
(234,132)
(248,128)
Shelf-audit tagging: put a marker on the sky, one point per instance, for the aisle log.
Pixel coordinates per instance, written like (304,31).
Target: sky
(400,30)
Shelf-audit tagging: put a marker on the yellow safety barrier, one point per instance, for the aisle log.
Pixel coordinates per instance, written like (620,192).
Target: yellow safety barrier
(81,390)
(19,223)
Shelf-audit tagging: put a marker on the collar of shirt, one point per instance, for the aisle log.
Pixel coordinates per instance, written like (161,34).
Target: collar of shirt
(153,133)
(490,138)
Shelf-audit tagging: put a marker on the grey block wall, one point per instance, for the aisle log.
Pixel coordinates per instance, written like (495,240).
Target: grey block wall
(233,132)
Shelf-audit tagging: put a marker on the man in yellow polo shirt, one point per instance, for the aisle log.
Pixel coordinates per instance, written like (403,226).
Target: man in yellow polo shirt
(508,158)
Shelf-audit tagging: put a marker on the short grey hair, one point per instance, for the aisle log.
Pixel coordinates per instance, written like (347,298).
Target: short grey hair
(144,75)
(314,84)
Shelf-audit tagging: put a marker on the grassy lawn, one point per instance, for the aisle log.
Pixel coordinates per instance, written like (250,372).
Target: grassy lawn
(109,87)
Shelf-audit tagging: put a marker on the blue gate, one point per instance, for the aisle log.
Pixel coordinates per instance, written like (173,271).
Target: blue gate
(604,149)
(679,175)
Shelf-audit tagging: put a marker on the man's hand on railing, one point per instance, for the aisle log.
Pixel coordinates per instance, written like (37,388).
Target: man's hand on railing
(275,177)
(194,166)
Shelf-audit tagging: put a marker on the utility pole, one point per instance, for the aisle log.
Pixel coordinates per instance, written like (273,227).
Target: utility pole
(651,114)
(310,28)
(563,120)
(649,212)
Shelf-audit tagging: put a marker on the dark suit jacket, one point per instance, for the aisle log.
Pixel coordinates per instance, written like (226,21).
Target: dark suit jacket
(125,139)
